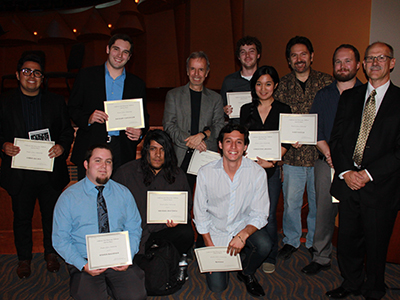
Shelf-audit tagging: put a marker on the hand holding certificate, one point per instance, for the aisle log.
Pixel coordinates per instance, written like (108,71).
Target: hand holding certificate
(216,259)
(264,144)
(124,113)
(33,155)
(237,100)
(107,250)
(301,128)
(164,206)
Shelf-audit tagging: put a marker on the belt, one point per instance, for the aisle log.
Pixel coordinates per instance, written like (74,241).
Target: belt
(322,157)
(112,138)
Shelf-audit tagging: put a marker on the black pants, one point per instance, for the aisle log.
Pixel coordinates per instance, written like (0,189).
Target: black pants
(35,186)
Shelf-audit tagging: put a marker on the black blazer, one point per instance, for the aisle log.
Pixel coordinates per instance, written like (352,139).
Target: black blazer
(12,124)
(89,94)
(382,152)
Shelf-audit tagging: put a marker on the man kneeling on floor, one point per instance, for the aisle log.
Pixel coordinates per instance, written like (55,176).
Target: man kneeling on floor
(76,216)
(231,206)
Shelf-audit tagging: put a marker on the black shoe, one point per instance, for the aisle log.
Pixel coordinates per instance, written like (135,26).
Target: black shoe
(314,268)
(341,292)
(24,269)
(286,251)
(252,285)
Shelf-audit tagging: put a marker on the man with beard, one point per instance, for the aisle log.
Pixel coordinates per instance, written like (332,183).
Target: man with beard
(365,149)
(298,89)
(157,170)
(76,216)
(346,62)
(248,52)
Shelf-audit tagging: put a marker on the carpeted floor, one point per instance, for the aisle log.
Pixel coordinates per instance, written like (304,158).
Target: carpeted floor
(287,282)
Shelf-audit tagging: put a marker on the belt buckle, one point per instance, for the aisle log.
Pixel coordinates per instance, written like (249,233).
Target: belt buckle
(108,139)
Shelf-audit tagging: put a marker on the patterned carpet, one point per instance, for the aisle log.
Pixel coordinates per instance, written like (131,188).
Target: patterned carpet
(287,282)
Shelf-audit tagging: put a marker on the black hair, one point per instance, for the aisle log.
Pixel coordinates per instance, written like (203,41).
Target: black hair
(248,40)
(120,36)
(89,152)
(264,70)
(298,40)
(30,57)
(170,165)
(347,46)
(228,128)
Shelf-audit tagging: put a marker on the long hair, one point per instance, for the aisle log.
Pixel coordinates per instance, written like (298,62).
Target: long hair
(264,70)
(170,165)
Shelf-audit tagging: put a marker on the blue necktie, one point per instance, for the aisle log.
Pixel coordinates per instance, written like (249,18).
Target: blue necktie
(102,215)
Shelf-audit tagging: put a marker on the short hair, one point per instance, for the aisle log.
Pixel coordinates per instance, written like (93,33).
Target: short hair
(264,70)
(347,46)
(248,40)
(298,40)
(228,128)
(89,152)
(391,51)
(198,54)
(30,57)
(170,165)
(121,36)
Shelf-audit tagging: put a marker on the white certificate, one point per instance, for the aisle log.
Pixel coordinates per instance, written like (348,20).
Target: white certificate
(334,200)
(237,100)
(300,128)
(200,159)
(34,155)
(106,250)
(163,206)
(215,259)
(124,113)
(264,144)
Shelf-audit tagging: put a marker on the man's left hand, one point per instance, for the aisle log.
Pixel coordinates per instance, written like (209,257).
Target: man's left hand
(170,223)
(121,268)
(56,151)
(236,245)
(365,177)
(133,133)
(194,140)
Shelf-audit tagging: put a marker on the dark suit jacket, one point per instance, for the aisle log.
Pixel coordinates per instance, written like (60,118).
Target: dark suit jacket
(89,94)
(12,124)
(382,153)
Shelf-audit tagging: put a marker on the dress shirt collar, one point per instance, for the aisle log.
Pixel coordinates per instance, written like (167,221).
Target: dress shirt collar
(123,75)
(89,186)
(380,93)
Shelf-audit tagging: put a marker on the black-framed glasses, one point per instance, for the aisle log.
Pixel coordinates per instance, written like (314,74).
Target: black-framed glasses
(28,72)
(379,58)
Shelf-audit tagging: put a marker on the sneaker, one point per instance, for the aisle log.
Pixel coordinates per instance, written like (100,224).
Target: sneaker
(268,268)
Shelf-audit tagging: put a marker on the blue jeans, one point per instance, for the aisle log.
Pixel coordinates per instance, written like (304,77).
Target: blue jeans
(257,247)
(295,179)
(274,190)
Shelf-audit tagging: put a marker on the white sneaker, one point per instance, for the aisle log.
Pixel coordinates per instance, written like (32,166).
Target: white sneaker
(268,268)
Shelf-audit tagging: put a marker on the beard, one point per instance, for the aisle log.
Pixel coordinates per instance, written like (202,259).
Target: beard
(102,180)
(344,77)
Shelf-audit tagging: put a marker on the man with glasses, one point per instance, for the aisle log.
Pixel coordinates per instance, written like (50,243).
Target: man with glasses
(92,87)
(30,113)
(365,149)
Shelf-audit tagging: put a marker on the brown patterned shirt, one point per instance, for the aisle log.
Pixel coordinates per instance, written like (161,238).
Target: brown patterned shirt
(291,93)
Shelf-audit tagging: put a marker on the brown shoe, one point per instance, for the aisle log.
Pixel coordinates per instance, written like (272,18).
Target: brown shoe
(24,269)
(52,263)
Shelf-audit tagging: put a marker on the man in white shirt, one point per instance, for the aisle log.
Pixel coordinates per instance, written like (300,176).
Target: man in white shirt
(231,206)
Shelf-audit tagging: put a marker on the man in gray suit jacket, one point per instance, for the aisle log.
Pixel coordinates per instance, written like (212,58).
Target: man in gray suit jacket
(193,114)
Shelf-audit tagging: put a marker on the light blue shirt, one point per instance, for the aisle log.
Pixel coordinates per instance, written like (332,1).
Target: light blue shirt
(223,207)
(75,216)
(114,90)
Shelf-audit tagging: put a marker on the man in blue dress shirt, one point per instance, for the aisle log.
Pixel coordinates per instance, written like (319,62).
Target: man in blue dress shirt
(76,215)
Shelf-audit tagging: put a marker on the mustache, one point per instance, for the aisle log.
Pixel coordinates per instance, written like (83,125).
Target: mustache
(375,68)
(300,62)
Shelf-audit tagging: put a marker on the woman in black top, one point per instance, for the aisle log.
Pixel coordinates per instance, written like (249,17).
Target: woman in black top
(262,114)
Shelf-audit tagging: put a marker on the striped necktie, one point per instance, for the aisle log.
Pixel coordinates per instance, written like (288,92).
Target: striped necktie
(102,215)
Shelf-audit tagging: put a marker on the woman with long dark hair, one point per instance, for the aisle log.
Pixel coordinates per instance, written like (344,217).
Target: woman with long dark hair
(262,114)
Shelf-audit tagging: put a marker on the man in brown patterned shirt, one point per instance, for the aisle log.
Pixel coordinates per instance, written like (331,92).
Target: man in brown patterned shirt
(298,89)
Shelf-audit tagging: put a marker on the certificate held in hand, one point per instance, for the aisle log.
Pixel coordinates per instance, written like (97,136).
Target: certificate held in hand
(264,144)
(163,206)
(124,113)
(237,100)
(301,128)
(216,259)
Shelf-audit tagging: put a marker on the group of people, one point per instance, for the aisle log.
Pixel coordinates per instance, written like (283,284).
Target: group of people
(235,198)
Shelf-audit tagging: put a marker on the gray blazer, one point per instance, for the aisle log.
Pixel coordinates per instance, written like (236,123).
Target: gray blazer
(177,118)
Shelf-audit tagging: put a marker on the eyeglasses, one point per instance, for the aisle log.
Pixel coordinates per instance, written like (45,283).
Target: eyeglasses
(379,58)
(28,72)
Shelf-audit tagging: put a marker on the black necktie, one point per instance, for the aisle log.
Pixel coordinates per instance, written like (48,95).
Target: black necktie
(102,215)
